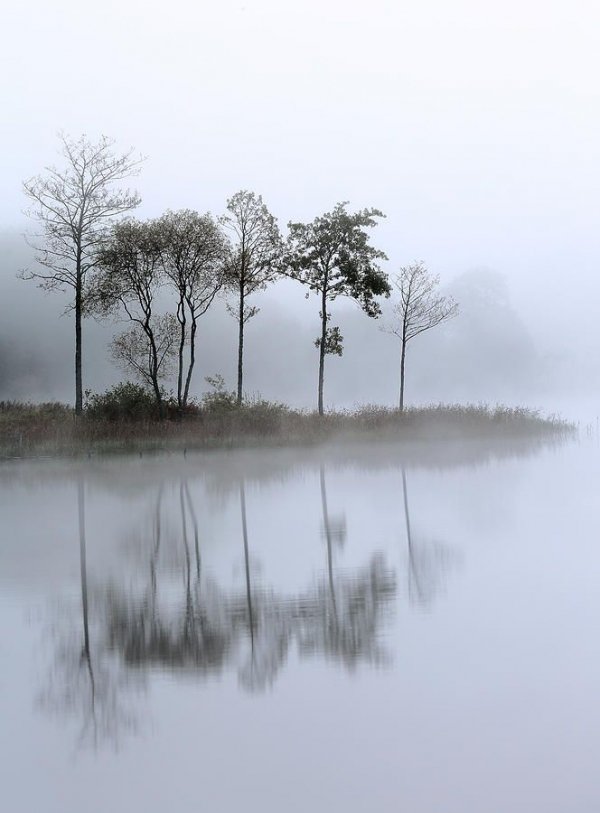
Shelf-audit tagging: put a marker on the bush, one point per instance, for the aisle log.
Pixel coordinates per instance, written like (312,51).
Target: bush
(220,399)
(123,402)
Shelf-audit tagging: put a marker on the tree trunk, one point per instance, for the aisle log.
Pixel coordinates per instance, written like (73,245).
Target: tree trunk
(182,323)
(402,365)
(322,347)
(188,378)
(78,319)
(154,370)
(240,376)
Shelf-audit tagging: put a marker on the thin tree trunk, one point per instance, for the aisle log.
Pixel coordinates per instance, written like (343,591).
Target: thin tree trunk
(182,323)
(188,378)
(322,346)
(78,343)
(402,365)
(154,369)
(241,345)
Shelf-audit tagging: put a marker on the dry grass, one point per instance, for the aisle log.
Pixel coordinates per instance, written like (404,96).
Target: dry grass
(52,428)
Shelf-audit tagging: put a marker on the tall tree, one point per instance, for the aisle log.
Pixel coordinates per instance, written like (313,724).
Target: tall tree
(74,207)
(333,257)
(254,260)
(130,273)
(194,258)
(419,308)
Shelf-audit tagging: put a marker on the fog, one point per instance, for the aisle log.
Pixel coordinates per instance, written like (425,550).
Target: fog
(496,350)
(473,129)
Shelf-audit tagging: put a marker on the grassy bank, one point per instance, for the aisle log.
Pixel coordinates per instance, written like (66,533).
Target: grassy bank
(52,429)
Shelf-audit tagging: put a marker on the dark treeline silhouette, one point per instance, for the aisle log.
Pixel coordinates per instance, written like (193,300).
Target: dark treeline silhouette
(117,266)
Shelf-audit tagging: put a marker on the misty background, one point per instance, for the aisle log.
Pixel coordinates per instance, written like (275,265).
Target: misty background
(473,127)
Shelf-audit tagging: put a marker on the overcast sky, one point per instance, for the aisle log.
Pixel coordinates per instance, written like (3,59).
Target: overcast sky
(475,126)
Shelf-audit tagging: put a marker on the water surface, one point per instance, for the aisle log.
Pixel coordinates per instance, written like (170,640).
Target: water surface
(374,627)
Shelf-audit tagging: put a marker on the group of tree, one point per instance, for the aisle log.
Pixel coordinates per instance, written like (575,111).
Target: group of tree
(116,265)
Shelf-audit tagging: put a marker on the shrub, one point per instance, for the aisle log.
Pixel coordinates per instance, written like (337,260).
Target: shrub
(220,399)
(123,402)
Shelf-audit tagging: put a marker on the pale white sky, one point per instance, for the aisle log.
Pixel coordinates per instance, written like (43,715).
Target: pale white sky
(475,126)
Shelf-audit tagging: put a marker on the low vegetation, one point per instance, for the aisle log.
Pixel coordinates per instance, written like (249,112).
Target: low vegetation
(125,418)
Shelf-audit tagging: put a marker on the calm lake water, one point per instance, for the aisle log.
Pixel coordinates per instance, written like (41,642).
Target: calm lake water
(368,628)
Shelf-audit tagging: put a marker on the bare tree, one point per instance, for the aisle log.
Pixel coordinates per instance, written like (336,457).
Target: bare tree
(74,207)
(418,309)
(130,273)
(254,260)
(194,254)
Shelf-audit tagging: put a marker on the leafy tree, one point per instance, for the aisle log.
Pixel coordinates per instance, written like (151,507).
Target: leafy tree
(332,256)
(194,253)
(130,273)
(254,260)
(74,207)
(151,361)
(418,309)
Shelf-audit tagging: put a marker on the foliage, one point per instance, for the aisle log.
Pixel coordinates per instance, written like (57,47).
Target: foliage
(194,254)
(129,277)
(334,341)
(333,257)
(124,402)
(218,399)
(132,350)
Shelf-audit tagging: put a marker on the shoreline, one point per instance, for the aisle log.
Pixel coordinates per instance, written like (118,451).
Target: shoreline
(28,430)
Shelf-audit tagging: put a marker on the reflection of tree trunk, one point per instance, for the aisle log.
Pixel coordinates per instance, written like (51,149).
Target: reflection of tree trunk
(413,577)
(188,565)
(247,563)
(329,542)
(86,654)
(195,526)
(155,554)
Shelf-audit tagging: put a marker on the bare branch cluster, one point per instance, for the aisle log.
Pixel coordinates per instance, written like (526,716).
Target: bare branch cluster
(75,206)
(419,307)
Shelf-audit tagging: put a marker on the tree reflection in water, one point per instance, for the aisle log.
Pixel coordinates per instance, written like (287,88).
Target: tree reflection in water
(428,560)
(86,681)
(188,623)
(339,617)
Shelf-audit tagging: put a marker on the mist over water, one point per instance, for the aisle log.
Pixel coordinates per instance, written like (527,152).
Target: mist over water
(352,616)
(361,625)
